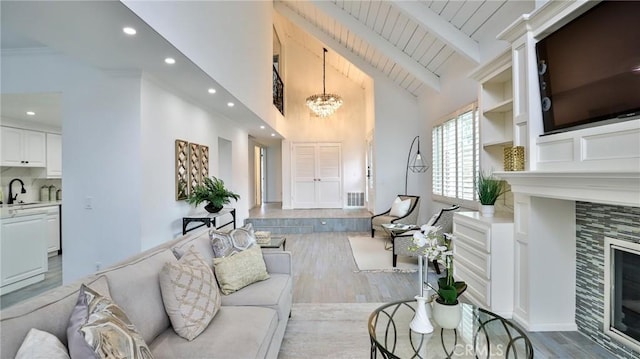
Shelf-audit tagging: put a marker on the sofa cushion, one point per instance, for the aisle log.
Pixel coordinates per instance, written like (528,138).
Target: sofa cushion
(49,311)
(241,269)
(135,286)
(235,332)
(274,293)
(400,207)
(41,345)
(225,244)
(201,243)
(190,294)
(98,328)
(378,221)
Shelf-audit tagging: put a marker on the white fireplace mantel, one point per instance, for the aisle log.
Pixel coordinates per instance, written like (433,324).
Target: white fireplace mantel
(616,188)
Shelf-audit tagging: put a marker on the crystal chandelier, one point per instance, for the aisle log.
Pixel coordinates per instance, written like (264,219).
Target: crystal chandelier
(324,104)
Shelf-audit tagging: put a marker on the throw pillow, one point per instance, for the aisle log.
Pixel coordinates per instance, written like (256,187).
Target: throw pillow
(400,207)
(39,344)
(225,244)
(98,328)
(190,294)
(240,269)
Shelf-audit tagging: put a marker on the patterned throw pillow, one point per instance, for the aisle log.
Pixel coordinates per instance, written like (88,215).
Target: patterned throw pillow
(227,243)
(190,294)
(240,269)
(39,344)
(98,328)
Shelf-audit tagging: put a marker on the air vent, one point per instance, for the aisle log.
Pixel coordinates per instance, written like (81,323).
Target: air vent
(355,199)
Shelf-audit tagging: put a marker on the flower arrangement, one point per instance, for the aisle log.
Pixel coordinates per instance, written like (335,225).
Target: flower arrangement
(436,246)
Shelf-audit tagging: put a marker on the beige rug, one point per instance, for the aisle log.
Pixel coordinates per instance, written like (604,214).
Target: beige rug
(328,330)
(370,255)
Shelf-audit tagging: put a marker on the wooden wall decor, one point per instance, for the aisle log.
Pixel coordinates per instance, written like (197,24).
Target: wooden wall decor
(194,165)
(182,174)
(204,163)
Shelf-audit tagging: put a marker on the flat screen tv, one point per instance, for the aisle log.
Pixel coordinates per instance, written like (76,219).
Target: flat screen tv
(589,69)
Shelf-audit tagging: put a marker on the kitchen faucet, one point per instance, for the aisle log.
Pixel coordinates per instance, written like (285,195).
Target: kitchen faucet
(11,196)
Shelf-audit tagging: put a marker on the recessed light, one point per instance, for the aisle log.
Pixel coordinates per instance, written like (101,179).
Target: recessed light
(211,90)
(273,135)
(31,113)
(170,60)
(262,127)
(129,30)
(230,104)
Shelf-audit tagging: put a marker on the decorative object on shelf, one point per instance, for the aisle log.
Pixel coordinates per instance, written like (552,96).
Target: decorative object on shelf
(420,322)
(489,188)
(52,193)
(44,194)
(204,163)
(438,247)
(324,104)
(213,192)
(182,174)
(194,166)
(416,165)
(514,158)
(263,237)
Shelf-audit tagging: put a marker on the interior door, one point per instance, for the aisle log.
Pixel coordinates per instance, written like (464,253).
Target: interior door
(317,175)
(370,194)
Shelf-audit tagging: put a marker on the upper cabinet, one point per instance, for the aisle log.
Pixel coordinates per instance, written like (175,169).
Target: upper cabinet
(54,155)
(22,148)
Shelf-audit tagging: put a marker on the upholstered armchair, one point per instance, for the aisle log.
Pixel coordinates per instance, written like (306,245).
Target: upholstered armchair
(411,217)
(402,242)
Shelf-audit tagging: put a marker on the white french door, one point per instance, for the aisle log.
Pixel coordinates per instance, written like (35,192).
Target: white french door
(317,175)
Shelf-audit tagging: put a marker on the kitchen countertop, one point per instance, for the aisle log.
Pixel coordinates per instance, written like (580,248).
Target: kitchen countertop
(14,210)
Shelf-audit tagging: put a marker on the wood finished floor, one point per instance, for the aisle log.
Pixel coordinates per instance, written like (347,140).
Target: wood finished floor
(325,272)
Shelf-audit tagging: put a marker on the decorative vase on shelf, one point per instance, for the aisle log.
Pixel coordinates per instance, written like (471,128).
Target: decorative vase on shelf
(420,322)
(487,210)
(447,316)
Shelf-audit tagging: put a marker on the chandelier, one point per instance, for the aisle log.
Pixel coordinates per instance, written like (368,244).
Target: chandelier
(324,104)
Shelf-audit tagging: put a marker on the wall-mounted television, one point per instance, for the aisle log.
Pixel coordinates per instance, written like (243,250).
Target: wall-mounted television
(589,69)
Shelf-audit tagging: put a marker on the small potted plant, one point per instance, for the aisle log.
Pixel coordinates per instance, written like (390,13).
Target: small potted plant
(214,193)
(489,188)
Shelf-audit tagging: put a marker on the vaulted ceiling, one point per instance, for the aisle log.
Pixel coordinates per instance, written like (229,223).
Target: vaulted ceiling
(410,42)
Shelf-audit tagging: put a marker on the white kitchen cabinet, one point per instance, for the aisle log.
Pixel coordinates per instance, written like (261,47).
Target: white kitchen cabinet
(54,155)
(53,230)
(22,148)
(483,251)
(23,251)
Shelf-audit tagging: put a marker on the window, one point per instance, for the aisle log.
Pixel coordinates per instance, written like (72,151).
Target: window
(455,155)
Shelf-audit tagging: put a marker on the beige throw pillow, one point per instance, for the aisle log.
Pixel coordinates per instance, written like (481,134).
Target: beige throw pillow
(39,344)
(240,269)
(400,208)
(98,328)
(190,294)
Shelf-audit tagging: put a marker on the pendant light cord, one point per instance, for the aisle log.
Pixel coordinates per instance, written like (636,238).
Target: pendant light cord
(324,56)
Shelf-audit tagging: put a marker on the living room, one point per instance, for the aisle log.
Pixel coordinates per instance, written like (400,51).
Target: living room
(147,114)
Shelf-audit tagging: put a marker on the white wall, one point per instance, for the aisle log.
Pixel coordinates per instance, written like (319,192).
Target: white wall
(230,40)
(347,125)
(273,169)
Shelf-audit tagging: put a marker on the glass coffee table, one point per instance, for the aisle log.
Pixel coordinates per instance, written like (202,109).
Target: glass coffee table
(480,334)
(275,242)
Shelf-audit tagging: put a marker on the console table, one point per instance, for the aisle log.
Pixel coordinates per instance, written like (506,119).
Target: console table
(206,219)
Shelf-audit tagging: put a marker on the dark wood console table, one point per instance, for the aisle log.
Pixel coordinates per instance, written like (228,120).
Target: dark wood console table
(209,218)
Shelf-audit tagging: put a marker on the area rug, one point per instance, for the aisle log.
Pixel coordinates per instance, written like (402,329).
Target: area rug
(328,330)
(370,255)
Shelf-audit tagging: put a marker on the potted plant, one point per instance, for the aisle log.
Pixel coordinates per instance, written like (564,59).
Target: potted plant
(214,193)
(434,246)
(489,188)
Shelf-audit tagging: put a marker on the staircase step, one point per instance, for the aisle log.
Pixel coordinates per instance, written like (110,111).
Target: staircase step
(310,225)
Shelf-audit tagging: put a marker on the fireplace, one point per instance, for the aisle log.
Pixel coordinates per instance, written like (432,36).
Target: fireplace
(622,291)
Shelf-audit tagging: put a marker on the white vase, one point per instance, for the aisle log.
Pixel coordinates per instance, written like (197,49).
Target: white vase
(420,322)
(487,210)
(447,316)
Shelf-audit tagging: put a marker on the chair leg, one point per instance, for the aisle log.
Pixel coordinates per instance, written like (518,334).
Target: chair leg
(372,232)
(395,260)
(436,266)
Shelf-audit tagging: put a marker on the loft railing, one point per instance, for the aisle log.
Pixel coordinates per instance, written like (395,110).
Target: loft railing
(278,91)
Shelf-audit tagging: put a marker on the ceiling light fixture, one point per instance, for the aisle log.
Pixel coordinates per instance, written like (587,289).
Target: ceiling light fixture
(262,127)
(230,104)
(273,135)
(170,60)
(129,30)
(324,104)
(31,113)
(211,90)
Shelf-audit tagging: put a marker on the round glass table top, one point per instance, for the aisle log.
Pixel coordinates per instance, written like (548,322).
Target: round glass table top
(480,334)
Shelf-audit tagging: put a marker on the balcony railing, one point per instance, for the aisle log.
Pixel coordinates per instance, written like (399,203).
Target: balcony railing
(278,91)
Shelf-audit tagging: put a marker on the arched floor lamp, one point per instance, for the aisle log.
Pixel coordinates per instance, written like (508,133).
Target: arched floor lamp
(417,165)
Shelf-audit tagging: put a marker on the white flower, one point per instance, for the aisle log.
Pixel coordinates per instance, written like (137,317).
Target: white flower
(427,230)
(419,239)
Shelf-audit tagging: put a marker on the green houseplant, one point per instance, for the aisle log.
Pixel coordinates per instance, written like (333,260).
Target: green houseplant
(489,188)
(214,192)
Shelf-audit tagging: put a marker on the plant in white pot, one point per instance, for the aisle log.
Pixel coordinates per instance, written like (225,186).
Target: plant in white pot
(489,188)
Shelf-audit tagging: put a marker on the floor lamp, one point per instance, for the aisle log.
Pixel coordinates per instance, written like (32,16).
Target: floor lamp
(417,164)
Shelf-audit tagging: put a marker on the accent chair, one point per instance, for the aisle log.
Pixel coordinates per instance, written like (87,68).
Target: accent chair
(411,217)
